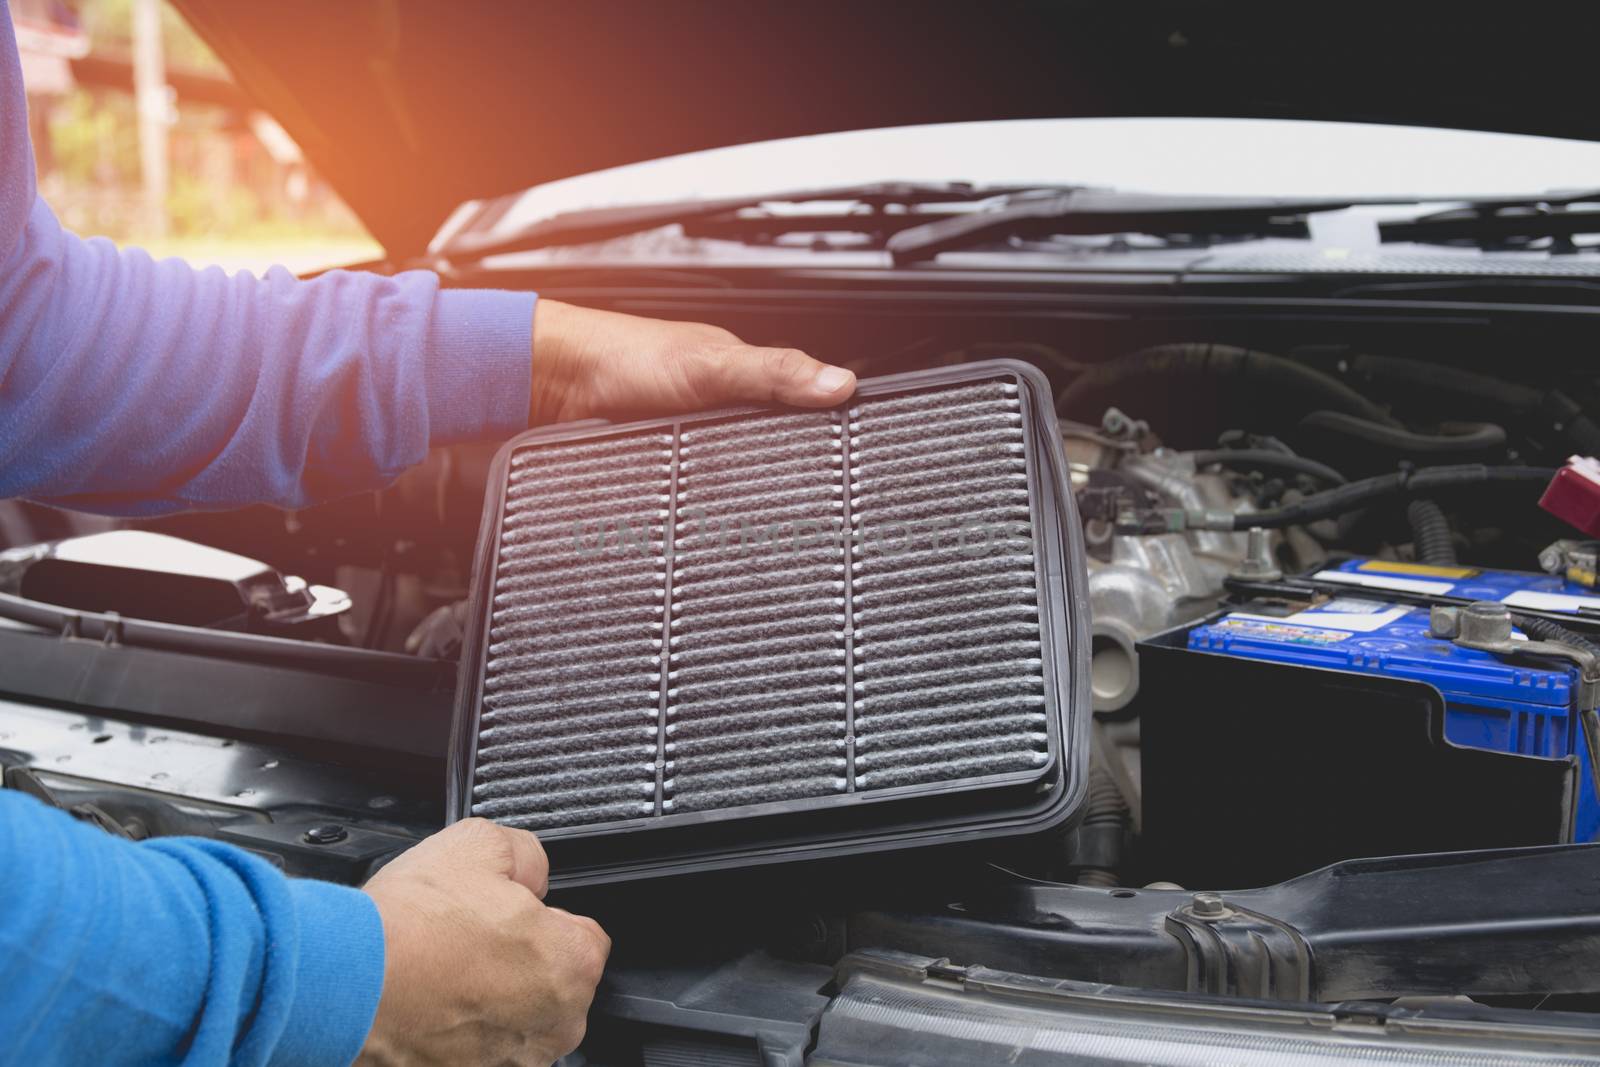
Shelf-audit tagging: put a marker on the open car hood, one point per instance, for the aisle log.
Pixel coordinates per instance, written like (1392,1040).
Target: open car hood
(409,109)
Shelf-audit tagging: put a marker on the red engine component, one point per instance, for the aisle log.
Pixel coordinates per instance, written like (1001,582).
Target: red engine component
(1573,495)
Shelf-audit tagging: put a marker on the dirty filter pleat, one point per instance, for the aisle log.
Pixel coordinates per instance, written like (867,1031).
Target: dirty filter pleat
(756,708)
(770,608)
(568,733)
(948,680)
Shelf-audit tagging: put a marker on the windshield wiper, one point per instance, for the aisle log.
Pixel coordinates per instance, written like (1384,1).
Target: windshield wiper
(1107,211)
(1510,226)
(916,221)
(1100,211)
(871,208)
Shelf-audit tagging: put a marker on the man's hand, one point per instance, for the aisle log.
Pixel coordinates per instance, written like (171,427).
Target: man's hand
(476,968)
(598,363)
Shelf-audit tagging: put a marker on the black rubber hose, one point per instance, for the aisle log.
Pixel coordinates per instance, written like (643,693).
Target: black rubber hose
(1491,393)
(1475,439)
(1425,481)
(1105,820)
(1453,387)
(1430,533)
(1289,382)
(1267,459)
(1550,630)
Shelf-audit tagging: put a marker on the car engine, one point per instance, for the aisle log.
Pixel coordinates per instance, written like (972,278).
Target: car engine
(1328,625)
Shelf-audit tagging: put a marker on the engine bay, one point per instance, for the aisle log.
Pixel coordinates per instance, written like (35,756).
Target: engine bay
(1306,727)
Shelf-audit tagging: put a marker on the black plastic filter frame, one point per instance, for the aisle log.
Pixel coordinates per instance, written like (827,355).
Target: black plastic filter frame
(855,821)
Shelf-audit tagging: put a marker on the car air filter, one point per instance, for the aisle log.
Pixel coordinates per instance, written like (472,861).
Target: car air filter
(749,635)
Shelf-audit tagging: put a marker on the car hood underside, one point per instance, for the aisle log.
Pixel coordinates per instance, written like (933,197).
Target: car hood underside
(411,109)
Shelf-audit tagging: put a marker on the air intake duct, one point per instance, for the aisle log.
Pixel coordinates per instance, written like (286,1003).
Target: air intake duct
(747,636)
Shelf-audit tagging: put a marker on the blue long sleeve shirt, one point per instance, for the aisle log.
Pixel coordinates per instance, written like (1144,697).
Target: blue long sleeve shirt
(132,386)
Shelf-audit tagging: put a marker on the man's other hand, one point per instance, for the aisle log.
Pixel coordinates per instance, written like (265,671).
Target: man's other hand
(589,363)
(477,969)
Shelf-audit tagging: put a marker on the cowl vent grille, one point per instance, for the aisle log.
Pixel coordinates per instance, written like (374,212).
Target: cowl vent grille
(863,617)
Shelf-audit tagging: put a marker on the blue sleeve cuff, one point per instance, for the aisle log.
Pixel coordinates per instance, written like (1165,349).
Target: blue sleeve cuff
(479,364)
(338,974)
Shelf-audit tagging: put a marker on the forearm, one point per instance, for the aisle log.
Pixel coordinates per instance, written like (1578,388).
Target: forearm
(174,951)
(136,386)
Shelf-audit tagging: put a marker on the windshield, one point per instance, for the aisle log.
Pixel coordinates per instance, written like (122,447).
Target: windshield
(1235,157)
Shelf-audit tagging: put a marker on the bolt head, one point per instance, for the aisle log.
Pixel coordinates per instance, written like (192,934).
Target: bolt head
(326,834)
(1444,622)
(1258,563)
(1208,905)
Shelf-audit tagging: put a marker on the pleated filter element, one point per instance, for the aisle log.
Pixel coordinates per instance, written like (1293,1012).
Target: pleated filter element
(949,663)
(570,724)
(758,614)
(757,689)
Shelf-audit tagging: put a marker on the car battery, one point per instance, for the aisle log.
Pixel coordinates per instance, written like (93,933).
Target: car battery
(1543,594)
(1491,702)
